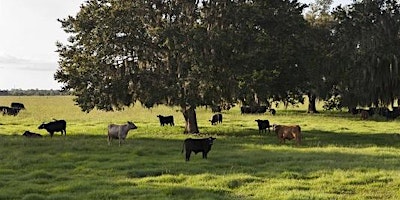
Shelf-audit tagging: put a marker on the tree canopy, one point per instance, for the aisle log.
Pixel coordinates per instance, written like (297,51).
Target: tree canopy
(194,53)
(184,53)
(367,47)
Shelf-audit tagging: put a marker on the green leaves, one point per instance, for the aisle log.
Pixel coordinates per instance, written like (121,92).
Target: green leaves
(367,37)
(183,53)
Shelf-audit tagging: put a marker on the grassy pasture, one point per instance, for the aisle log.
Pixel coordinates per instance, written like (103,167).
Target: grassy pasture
(342,157)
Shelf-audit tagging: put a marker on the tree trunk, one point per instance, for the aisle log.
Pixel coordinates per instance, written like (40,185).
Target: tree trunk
(311,103)
(190,120)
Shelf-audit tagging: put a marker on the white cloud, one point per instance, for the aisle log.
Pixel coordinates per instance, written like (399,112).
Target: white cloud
(29,31)
(12,62)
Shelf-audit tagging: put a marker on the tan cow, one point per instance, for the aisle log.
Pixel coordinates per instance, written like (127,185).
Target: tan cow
(119,131)
(284,132)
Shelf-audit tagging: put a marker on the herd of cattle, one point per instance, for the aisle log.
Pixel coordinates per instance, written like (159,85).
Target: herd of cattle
(381,111)
(190,145)
(120,132)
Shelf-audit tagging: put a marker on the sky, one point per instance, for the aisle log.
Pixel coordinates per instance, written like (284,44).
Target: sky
(29,31)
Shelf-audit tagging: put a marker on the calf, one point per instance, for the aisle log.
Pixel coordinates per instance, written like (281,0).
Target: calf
(31,135)
(217,118)
(263,125)
(166,120)
(55,126)
(288,132)
(119,131)
(197,145)
(272,111)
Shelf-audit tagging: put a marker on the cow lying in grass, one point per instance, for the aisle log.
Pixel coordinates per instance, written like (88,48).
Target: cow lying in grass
(288,132)
(31,134)
(119,131)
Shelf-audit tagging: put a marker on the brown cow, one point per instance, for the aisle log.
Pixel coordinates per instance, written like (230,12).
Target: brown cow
(364,114)
(288,132)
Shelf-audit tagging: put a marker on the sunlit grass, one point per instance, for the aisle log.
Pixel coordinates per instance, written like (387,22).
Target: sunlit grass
(341,157)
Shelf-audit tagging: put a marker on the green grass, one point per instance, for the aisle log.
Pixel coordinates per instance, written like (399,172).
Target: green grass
(341,157)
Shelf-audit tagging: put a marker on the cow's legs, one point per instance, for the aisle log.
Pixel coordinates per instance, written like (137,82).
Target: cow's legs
(205,155)
(188,155)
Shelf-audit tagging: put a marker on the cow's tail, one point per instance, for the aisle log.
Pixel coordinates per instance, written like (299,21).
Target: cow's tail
(183,147)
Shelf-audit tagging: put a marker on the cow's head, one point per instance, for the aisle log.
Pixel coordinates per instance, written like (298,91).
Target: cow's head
(275,127)
(27,133)
(42,126)
(131,125)
(211,140)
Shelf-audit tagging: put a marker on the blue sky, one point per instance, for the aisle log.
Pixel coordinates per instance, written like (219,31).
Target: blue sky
(29,31)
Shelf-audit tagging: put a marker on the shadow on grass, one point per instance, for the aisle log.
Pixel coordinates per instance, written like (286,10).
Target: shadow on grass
(155,167)
(356,140)
(336,114)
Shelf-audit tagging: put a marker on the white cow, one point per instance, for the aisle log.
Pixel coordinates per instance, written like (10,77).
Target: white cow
(119,131)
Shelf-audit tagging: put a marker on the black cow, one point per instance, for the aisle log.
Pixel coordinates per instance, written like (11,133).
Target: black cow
(16,105)
(244,109)
(355,111)
(2,108)
(197,145)
(261,109)
(390,115)
(253,109)
(216,109)
(31,135)
(166,120)
(9,111)
(263,125)
(55,126)
(217,118)
(272,111)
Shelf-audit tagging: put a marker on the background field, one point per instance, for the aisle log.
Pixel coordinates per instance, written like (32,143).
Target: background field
(342,157)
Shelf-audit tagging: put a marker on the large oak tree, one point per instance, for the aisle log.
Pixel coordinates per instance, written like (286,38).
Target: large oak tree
(181,53)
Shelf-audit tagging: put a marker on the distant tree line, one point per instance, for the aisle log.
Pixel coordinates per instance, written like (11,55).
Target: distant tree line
(33,92)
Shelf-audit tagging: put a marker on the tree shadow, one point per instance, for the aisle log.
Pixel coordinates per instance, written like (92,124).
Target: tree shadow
(320,138)
(159,166)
